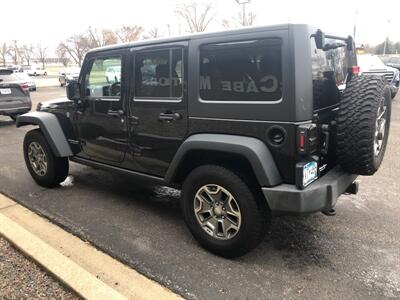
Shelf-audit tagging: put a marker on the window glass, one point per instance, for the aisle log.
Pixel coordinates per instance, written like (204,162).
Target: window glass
(241,71)
(104,78)
(159,74)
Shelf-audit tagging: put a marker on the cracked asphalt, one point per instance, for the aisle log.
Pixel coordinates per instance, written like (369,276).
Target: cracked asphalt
(353,255)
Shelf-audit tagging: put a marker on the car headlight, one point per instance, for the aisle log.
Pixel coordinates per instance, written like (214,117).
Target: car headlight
(397,76)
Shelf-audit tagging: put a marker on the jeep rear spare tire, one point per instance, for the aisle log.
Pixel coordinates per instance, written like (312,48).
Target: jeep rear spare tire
(363,124)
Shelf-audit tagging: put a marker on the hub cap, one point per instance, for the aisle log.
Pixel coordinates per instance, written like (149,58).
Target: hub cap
(217,211)
(380,127)
(37,158)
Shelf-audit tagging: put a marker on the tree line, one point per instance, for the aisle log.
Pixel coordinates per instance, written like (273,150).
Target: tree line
(196,17)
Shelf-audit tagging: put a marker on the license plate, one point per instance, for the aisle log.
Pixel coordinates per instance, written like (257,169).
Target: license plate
(310,173)
(5,91)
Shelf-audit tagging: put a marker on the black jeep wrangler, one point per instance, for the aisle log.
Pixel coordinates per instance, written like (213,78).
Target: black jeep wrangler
(248,123)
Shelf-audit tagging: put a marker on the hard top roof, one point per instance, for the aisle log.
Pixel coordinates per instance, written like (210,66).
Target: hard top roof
(193,37)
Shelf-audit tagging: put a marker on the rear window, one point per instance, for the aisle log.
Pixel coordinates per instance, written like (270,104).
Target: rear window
(7,77)
(241,71)
(329,73)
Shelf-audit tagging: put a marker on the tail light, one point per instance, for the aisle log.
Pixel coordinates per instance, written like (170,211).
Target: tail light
(307,138)
(24,87)
(355,70)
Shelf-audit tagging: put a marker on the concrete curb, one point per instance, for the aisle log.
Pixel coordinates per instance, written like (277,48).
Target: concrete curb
(89,272)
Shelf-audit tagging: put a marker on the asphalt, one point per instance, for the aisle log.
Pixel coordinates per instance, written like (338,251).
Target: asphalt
(353,255)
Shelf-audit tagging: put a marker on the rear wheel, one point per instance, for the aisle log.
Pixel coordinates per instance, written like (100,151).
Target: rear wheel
(45,168)
(222,212)
(363,124)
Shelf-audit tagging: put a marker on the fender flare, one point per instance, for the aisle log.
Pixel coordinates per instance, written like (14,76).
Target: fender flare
(51,128)
(254,150)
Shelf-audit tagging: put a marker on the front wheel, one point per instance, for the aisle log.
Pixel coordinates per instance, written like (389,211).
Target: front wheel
(45,168)
(222,212)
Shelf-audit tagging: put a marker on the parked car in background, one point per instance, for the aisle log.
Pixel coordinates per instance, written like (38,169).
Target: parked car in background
(394,62)
(14,95)
(372,65)
(36,71)
(67,75)
(113,74)
(26,79)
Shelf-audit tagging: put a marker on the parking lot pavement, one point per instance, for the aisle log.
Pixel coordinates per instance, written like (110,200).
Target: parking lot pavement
(21,278)
(46,81)
(352,255)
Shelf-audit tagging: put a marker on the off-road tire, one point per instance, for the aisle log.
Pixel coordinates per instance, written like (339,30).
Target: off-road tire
(254,213)
(356,124)
(57,167)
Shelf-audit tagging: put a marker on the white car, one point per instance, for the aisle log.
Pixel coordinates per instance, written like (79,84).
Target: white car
(36,71)
(372,65)
(113,74)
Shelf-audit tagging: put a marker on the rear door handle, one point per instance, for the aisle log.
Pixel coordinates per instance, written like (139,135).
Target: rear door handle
(115,113)
(169,116)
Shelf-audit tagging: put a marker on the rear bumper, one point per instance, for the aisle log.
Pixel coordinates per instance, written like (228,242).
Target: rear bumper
(15,106)
(321,195)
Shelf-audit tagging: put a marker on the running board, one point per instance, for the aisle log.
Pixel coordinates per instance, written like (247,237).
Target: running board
(114,169)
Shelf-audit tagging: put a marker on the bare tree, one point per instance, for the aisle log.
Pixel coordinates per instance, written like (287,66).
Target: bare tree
(127,34)
(76,46)
(14,52)
(99,38)
(153,33)
(40,53)
(62,54)
(196,16)
(27,52)
(4,51)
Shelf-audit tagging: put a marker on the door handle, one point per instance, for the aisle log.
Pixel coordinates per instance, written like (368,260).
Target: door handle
(169,116)
(115,113)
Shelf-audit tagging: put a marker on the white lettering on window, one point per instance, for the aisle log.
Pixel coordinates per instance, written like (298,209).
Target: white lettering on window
(226,86)
(238,86)
(269,79)
(205,83)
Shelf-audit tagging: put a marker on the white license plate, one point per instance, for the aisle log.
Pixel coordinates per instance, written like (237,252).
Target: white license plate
(310,173)
(5,91)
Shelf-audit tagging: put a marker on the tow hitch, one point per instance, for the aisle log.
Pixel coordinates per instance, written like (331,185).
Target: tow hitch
(351,190)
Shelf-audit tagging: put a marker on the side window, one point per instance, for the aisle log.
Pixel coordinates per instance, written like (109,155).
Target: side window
(159,74)
(241,71)
(104,78)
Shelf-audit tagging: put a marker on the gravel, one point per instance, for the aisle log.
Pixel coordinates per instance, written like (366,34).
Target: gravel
(21,278)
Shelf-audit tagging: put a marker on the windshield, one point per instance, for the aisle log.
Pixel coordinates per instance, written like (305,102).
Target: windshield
(370,61)
(395,60)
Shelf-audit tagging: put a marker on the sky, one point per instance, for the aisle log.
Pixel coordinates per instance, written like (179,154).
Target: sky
(49,22)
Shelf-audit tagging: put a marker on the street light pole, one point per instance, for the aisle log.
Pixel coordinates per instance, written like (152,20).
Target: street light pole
(243,4)
(386,38)
(355,25)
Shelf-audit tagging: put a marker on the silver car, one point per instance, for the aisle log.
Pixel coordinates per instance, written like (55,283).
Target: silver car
(14,95)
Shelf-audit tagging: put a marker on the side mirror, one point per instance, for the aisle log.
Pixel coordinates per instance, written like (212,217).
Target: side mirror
(320,39)
(73,91)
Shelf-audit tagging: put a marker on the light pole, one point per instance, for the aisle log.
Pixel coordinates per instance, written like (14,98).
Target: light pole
(243,4)
(355,25)
(386,37)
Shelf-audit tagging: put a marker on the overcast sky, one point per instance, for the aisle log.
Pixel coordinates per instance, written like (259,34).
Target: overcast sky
(51,21)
